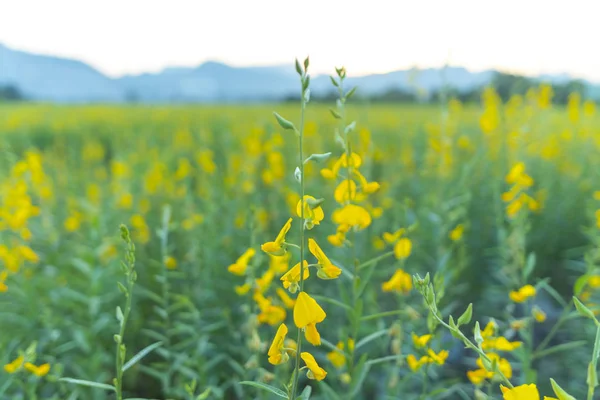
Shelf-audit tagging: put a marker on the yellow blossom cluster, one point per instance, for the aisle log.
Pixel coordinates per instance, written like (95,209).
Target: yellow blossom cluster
(351,193)
(517,197)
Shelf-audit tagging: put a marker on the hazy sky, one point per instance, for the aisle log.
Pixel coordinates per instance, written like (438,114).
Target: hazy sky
(131,36)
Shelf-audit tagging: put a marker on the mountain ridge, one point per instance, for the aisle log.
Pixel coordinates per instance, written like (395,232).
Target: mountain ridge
(65,80)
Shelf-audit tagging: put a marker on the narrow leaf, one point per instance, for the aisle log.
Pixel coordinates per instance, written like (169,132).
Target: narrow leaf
(266,387)
(141,354)
(82,382)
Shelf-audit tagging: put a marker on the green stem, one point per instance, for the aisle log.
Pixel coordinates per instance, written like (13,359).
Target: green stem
(354,317)
(296,375)
(164,240)
(561,320)
(120,348)
(592,383)
(468,343)
(424,387)
(375,260)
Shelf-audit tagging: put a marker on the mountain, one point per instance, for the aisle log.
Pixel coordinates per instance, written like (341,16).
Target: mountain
(211,82)
(41,77)
(48,78)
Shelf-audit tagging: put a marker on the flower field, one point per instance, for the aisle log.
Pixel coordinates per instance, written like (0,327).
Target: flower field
(330,251)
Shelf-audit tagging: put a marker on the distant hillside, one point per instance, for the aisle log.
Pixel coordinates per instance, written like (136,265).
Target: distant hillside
(47,78)
(41,77)
(211,82)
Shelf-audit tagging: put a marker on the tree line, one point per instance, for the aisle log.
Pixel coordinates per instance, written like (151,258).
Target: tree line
(506,86)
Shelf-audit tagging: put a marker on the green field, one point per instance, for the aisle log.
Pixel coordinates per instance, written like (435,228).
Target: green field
(491,197)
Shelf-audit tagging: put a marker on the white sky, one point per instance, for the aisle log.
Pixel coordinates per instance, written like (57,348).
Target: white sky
(133,36)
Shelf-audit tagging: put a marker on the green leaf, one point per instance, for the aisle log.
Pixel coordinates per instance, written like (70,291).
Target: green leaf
(477,334)
(328,391)
(361,370)
(580,284)
(560,392)
(266,387)
(119,315)
(333,301)
(122,288)
(82,382)
(350,127)
(592,375)
(141,354)
(333,81)
(371,337)
(529,266)
(318,157)
(335,114)
(583,310)
(284,123)
(466,317)
(305,395)
(559,348)
(204,395)
(351,92)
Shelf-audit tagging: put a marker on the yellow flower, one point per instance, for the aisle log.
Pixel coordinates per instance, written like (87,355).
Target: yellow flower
(28,254)
(415,364)
(72,223)
(439,358)
(277,354)
(125,201)
(393,237)
(326,269)
(516,171)
(3,286)
(336,240)
(314,371)
(287,301)
(518,324)
(263,283)
(291,278)
(242,289)
(478,376)
(538,314)
(40,371)
(503,365)
(308,313)
(270,313)
(489,330)
(337,357)
(276,248)
(279,264)
(403,248)
(500,344)
(519,296)
(378,243)
(594,281)
(241,264)
(457,233)
(399,282)
(15,365)
(313,215)
(170,262)
(354,161)
(345,191)
(352,215)
(523,392)
(420,341)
